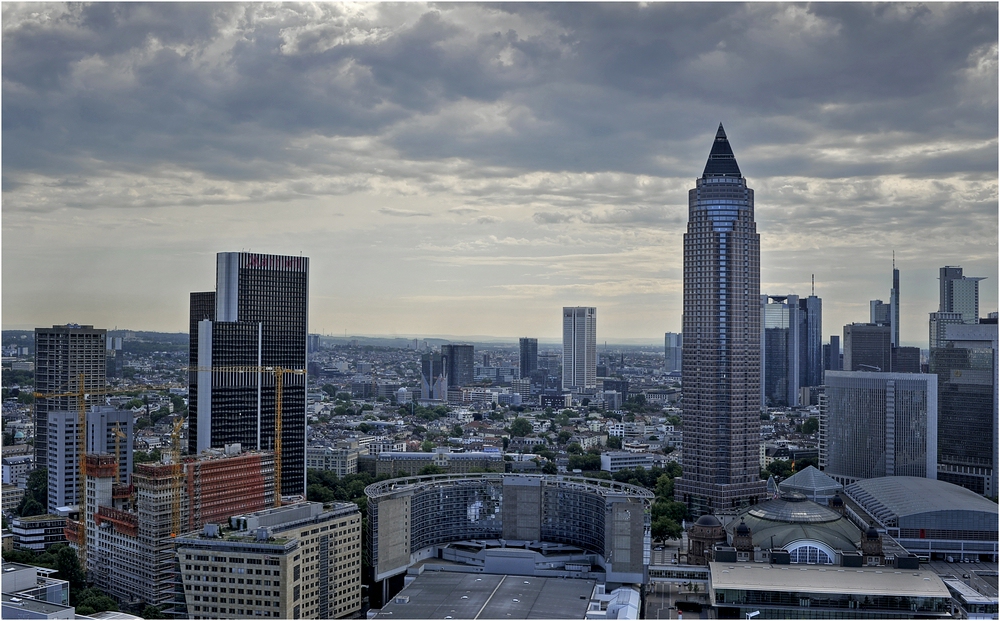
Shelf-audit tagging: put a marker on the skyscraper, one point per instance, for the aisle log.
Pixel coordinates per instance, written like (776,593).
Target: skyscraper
(256,317)
(62,355)
(882,314)
(672,351)
(966,366)
(721,359)
(579,347)
(878,425)
(791,347)
(461,364)
(529,355)
(867,347)
(959,294)
(434,376)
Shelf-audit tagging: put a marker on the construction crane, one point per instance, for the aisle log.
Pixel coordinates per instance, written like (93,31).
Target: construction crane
(178,477)
(81,393)
(279,375)
(119,434)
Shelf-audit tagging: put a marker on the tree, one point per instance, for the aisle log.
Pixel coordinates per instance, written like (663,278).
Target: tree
(152,612)
(780,468)
(550,468)
(564,437)
(30,507)
(431,469)
(68,564)
(457,431)
(665,487)
(36,493)
(614,442)
(666,528)
(427,446)
(804,462)
(811,425)
(520,427)
(91,601)
(574,448)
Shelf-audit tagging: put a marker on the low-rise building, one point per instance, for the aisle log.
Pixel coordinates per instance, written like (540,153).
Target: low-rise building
(16,469)
(341,459)
(412,463)
(11,497)
(300,561)
(38,532)
(614,461)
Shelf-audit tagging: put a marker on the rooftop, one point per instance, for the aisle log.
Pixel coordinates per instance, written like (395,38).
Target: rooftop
(827,579)
(443,595)
(898,497)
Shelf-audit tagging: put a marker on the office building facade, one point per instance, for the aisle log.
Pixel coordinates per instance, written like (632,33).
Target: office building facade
(673,349)
(791,347)
(461,363)
(867,347)
(831,355)
(257,317)
(878,424)
(721,349)
(579,370)
(959,293)
(62,355)
(528,348)
(966,368)
(64,449)
(308,556)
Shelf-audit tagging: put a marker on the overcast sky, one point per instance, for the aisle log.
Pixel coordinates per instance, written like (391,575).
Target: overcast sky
(468,169)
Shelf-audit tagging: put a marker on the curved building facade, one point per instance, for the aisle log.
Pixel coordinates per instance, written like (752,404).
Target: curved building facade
(533,518)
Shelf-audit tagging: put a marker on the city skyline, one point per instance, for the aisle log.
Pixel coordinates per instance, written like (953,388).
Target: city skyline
(469,169)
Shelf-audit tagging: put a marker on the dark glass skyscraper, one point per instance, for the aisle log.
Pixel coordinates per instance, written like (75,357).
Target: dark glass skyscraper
(256,317)
(721,331)
(461,364)
(529,355)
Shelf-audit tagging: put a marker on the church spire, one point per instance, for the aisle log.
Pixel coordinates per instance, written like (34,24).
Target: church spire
(721,161)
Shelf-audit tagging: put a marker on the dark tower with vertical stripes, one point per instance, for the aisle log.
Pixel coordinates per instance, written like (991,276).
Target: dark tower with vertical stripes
(721,350)
(256,317)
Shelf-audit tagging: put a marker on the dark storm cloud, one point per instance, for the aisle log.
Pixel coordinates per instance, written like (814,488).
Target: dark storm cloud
(227,89)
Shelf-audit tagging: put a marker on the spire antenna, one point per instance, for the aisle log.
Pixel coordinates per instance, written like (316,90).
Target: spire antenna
(814,285)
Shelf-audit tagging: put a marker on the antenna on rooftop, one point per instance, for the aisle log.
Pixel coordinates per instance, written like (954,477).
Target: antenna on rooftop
(814,285)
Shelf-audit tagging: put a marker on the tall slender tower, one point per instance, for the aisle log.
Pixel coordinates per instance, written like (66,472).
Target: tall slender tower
(894,305)
(579,347)
(721,351)
(256,317)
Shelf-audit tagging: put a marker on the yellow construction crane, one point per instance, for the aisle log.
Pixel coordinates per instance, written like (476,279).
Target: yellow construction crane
(178,477)
(279,375)
(119,434)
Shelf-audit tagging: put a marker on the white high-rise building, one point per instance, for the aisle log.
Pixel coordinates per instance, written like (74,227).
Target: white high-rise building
(878,425)
(959,293)
(579,347)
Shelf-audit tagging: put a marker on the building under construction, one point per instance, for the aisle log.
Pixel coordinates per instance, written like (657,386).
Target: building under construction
(130,529)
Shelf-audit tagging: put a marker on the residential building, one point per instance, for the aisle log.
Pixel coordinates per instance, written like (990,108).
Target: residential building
(721,342)
(878,424)
(300,561)
(256,317)
(579,360)
(528,355)
(64,354)
(672,350)
(461,363)
(16,469)
(130,548)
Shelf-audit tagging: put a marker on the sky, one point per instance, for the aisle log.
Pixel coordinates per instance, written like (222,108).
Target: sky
(470,169)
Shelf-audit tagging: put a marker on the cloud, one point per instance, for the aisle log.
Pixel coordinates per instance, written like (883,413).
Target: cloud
(404,213)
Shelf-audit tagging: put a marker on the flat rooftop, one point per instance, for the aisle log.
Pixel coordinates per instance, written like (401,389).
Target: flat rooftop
(827,579)
(444,595)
